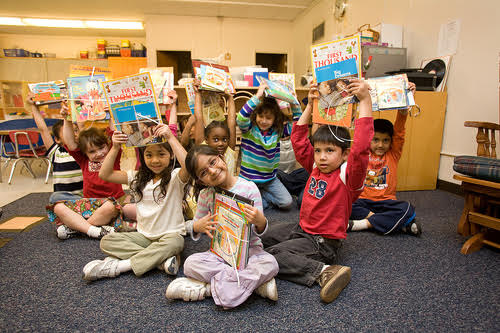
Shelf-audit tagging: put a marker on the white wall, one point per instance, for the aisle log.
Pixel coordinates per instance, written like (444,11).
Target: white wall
(474,73)
(208,37)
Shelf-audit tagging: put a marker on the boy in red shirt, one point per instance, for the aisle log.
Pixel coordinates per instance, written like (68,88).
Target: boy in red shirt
(377,207)
(306,252)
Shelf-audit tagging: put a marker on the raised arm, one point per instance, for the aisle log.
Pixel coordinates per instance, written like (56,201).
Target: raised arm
(231,120)
(243,117)
(359,88)
(179,151)
(107,172)
(40,122)
(68,132)
(199,125)
(305,117)
(187,131)
(172,119)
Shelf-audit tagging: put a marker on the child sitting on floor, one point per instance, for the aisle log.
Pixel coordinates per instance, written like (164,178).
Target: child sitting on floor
(307,251)
(377,207)
(210,275)
(261,123)
(158,189)
(102,202)
(66,173)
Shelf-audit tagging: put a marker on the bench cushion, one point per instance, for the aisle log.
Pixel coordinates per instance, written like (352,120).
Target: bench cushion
(478,167)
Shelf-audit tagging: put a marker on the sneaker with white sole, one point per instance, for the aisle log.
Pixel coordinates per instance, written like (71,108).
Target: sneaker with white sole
(63,232)
(187,289)
(98,269)
(171,265)
(268,290)
(333,280)
(106,230)
(414,228)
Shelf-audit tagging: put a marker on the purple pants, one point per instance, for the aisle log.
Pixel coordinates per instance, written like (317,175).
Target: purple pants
(209,268)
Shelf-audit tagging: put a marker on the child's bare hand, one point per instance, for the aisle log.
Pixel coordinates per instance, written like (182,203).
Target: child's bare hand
(163,131)
(206,224)
(119,138)
(412,87)
(313,93)
(262,88)
(64,112)
(359,88)
(196,85)
(255,216)
(29,98)
(172,96)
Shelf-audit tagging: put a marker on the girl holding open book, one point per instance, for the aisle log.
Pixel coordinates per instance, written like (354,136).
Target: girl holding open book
(208,274)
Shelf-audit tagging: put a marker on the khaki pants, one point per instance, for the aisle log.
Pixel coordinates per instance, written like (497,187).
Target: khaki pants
(144,253)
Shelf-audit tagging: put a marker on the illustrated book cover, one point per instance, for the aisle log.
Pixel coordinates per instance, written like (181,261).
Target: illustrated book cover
(163,82)
(334,63)
(86,97)
(278,90)
(390,92)
(48,92)
(232,234)
(133,108)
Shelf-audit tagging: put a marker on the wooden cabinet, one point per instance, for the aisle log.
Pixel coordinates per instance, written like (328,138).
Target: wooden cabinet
(419,164)
(12,97)
(124,66)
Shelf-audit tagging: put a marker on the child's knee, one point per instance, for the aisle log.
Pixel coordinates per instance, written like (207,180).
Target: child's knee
(59,208)
(108,209)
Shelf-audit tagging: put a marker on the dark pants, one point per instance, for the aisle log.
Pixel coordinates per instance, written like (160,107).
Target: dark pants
(389,215)
(295,182)
(300,255)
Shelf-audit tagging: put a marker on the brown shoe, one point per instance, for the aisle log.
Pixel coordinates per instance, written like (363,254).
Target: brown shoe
(332,281)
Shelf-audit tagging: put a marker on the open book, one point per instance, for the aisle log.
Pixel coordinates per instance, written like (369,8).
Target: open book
(213,77)
(232,234)
(133,108)
(334,63)
(390,92)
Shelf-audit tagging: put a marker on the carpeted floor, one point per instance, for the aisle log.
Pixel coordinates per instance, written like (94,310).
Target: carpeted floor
(399,283)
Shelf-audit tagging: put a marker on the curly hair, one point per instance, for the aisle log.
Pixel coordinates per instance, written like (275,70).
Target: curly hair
(270,105)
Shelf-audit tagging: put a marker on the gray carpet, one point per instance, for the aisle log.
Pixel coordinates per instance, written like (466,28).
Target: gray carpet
(399,283)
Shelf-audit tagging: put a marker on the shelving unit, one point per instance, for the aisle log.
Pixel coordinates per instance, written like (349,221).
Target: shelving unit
(12,97)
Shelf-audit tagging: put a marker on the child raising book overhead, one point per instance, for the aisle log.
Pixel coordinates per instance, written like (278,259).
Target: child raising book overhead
(377,207)
(103,201)
(208,274)
(158,190)
(67,175)
(220,135)
(262,125)
(307,252)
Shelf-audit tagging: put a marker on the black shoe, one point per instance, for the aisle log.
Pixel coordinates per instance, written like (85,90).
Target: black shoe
(350,224)
(414,228)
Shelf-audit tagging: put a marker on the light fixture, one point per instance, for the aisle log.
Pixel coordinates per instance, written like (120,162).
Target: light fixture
(82,24)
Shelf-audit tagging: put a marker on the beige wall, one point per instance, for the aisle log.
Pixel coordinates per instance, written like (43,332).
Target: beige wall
(474,73)
(208,37)
(62,46)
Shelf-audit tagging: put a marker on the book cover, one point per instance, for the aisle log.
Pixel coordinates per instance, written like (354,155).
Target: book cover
(390,92)
(278,90)
(212,108)
(48,92)
(163,82)
(334,63)
(86,97)
(288,79)
(232,234)
(83,70)
(200,68)
(133,108)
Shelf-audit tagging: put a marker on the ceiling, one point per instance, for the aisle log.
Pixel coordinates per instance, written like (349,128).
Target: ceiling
(137,10)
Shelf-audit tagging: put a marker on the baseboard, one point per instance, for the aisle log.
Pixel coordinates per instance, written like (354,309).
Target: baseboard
(449,187)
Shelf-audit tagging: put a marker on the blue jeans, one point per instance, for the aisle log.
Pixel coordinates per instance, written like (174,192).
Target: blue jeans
(275,193)
(63,196)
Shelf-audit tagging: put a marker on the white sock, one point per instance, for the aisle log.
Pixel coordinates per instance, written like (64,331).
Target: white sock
(94,231)
(359,225)
(124,266)
(324,267)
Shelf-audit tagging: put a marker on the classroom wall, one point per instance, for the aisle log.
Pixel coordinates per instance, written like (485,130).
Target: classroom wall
(209,37)
(474,73)
(62,46)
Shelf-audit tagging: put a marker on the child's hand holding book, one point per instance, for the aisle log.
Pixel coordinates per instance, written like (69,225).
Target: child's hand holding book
(118,139)
(256,217)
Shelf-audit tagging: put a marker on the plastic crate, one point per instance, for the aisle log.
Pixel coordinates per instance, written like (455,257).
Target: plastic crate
(15,53)
(139,53)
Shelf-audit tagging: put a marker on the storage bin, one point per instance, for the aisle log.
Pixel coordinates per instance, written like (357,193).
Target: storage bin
(15,53)
(113,51)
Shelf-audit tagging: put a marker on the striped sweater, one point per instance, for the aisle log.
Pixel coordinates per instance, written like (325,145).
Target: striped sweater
(260,152)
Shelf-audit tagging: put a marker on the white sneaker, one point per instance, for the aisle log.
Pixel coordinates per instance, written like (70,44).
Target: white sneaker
(98,269)
(63,232)
(171,265)
(187,289)
(106,230)
(268,290)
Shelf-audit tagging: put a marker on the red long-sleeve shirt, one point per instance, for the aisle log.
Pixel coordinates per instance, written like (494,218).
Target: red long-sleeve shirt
(327,202)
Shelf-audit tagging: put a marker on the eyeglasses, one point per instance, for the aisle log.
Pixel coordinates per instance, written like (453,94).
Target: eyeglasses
(211,164)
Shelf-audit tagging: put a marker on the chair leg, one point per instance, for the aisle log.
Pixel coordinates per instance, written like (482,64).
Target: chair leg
(12,169)
(28,166)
